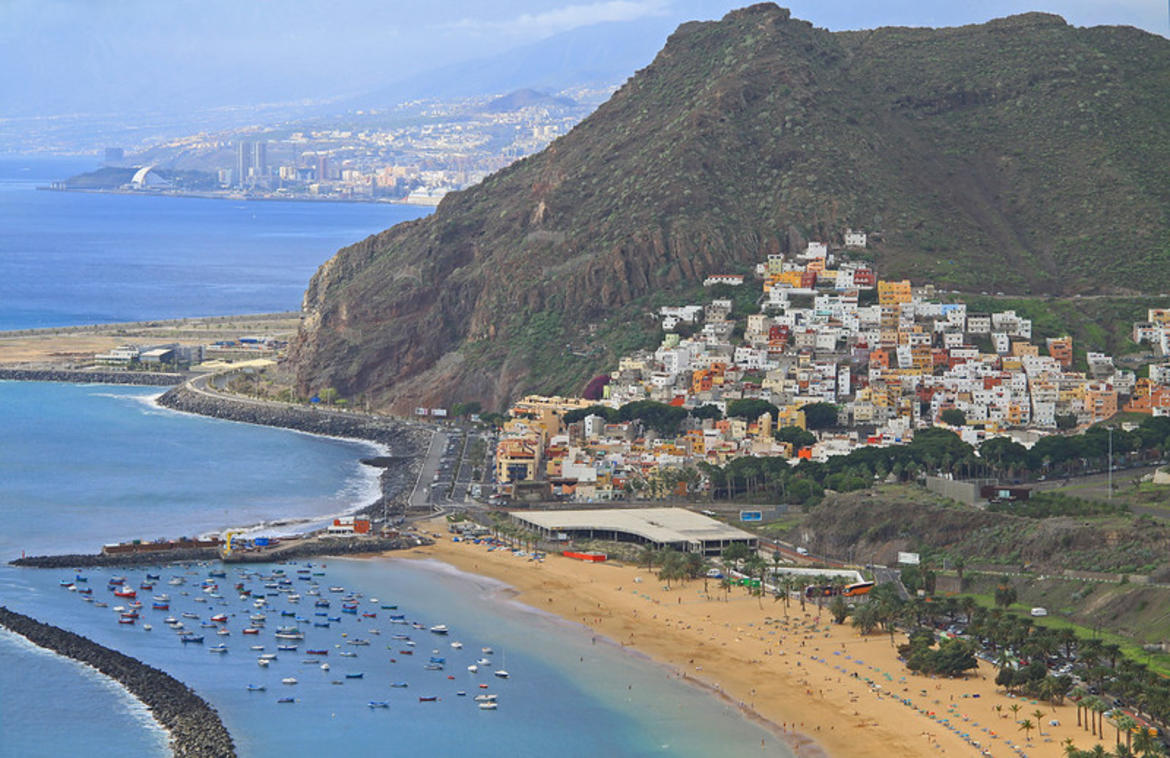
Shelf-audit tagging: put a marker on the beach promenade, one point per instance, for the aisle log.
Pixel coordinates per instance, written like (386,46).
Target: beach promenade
(834,691)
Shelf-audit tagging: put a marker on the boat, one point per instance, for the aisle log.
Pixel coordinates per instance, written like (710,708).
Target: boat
(369,615)
(256,688)
(484,662)
(389,607)
(347,654)
(400,636)
(439,629)
(287,648)
(406,652)
(287,700)
(357,642)
(126,620)
(251,630)
(223,632)
(125,592)
(316,652)
(321,604)
(85,591)
(473,668)
(189,615)
(337,589)
(297,635)
(321,624)
(151,577)
(428,699)
(219,618)
(501,673)
(257,647)
(160,606)
(146,586)
(217,574)
(461,693)
(489,706)
(433,667)
(485,698)
(100,604)
(357,675)
(486,650)
(378,704)
(349,610)
(147,627)
(289,680)
(220,648)
(262,662)
(457,645)
(269,656)
(324,666)
(193,639)
(399,685)
(437,659)
(170,620)
(117,581)
(175,581)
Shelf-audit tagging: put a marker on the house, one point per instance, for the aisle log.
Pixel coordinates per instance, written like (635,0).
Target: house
(855,238)
(733,280)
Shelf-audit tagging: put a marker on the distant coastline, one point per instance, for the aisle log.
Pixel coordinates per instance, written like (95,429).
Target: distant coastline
(238,197)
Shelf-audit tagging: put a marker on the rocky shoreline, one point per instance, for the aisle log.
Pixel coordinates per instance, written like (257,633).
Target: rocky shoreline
(406,443)
(145,378)
(194,726)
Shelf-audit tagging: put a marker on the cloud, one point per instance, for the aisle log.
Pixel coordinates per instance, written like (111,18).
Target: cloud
(547,23)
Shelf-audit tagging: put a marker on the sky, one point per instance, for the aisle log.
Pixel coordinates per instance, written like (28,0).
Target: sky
(62,57)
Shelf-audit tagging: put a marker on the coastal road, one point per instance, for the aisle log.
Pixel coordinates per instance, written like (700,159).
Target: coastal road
(427,473)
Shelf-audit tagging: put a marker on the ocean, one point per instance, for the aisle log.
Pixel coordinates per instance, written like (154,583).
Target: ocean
(81,465)
(83,258)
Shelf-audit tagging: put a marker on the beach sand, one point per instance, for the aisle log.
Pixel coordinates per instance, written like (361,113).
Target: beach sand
(834,691)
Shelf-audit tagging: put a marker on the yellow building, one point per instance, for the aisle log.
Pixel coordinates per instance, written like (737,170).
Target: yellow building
(894,293)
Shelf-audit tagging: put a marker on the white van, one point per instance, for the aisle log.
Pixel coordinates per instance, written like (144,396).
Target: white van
(1038,611)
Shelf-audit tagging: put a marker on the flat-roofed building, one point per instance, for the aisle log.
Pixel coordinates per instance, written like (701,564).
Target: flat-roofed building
(676,528)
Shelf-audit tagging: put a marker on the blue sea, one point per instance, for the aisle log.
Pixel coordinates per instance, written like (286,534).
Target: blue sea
(82,258)
(81,465)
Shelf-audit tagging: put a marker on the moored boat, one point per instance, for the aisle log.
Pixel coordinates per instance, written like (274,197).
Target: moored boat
(256,688)
(439,629)
(378,704)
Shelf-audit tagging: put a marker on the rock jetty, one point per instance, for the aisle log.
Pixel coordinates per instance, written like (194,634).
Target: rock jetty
(194,726)
(147,378)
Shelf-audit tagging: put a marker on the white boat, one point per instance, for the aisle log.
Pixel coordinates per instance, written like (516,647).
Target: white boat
(473,668)
(257,647)
(485,698)
(489,706)
(289,680)
(486,650)
(324,666)
(484,662)
(457,645)
(501,673)
(439,629)
(147,627)
(220,648)
(269,656)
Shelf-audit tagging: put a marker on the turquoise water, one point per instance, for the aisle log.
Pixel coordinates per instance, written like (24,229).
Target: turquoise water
(83,465)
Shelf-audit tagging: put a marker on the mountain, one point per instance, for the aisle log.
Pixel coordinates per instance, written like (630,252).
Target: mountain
(527,98)
(1021,155)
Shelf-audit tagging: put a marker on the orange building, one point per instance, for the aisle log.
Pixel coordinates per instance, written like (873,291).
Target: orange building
(1061,348)
(893,293)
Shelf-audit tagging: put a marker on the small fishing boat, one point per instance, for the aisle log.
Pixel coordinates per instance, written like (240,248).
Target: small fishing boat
(457,645)
(289,680)
(399,685)
(485,698)
(287,648)
(428,699)
(439,629)
(189,615)
(321,624)
(437,659)
(433,667)
(324,666)
(85,591)
(117,581)
(473,668)
(400,637)
(484,662)
(219,618)
(378,704)
(175,581)
(369,615)
(146,586)
(153,577)
(126,620)
(489,706)
(501,673)
(347,654)
(193,639)
(257,647)
(125,592)
(262,662)
(147,627)
(251,630)
(357,675)
(287,700)
(223,632)
(220,648)
(406,652)
(269,656)
(316,652)
(486,650)
(357,642)
(256,688)
(337,589)
(389,607)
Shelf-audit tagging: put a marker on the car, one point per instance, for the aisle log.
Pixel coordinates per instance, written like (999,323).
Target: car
(714,574)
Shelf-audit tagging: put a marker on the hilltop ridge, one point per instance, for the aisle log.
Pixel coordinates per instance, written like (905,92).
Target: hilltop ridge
(1022,154)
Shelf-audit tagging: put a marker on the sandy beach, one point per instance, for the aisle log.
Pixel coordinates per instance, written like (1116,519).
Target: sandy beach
(834,691)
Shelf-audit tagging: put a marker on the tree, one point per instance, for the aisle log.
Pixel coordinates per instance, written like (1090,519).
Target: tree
(707,411)
(735,553)
(795,436)
(1065,421)
(1005,595)
(953,416)
(839,609)
(1027,726)
(819,415)
(751,409)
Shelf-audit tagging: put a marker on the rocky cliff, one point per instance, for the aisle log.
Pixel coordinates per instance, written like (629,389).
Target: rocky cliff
(1021,155)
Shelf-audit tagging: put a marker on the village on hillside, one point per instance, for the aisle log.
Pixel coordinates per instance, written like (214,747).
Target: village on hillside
(827,359)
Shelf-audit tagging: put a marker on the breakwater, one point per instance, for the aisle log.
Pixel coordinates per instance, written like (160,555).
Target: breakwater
(145,378)
(194,726)
(405,442)
(92,560)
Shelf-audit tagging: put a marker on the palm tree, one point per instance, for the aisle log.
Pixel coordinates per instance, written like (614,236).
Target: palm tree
(1027,726)
(1015,709)
(1127,724)
(1039,716)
